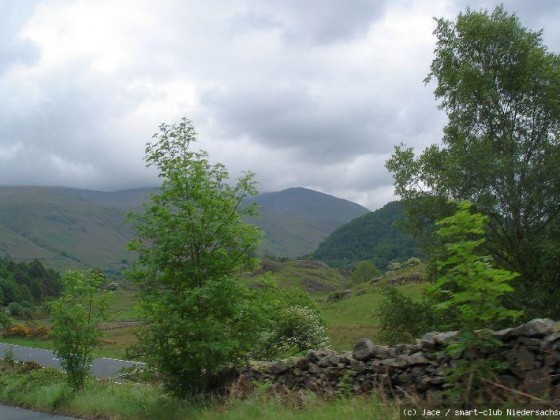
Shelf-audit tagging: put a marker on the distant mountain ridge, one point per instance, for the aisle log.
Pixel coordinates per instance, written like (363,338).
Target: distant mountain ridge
(374,236)
(68,227)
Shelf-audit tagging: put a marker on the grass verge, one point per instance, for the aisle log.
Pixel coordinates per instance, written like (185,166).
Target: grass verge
(45,389)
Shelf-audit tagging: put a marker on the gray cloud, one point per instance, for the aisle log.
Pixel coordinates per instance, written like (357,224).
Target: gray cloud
(311,94)
(12,49)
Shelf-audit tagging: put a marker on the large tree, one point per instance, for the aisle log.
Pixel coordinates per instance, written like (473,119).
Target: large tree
(500,87)
(191,240)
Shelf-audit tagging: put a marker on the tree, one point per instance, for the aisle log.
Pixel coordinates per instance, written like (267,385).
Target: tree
(191,240)
(468,284)
(75,317)
(364,271)
(500,150)
(472,290)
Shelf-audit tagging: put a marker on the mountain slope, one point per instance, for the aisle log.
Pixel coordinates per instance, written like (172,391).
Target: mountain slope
(296,220)
(61,229)
(373,236)
(66,227)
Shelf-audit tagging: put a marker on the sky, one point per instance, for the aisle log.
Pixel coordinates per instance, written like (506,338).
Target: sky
(312,93)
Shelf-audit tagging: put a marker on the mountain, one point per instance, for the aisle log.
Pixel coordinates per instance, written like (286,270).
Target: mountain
(373,236)
(296,220)
(66,227)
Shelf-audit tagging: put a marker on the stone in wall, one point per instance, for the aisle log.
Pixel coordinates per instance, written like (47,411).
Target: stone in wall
(530,353)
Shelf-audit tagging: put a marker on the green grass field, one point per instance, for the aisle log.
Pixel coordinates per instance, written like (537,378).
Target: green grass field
(347,320)
(353,318)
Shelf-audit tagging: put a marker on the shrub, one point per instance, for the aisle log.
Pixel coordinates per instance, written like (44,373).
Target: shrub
(289,322)
(5,320)
(402,319)
(298,329)
(75,317)
(19,330)
(40,332)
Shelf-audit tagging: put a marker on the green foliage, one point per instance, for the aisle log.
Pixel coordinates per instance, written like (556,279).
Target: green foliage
(499,85)
(364,271)
(5,320)
(75,317)
(191,240)
(19,311)
(402,319)
(45,390)
(468,284)
(375,236)
(290,323)
(472,289)
(20,282)
(194,336)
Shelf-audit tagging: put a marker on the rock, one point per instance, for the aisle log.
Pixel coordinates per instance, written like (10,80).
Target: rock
(551,358)
(363,350)
(428,341)
(552,337)
(441,338)
(381,352)
(536,382)
(330,360)
(535,328)
(279,367)
(416,359)
(520,358)
(303,363)
(357,365)
(502,334)
(313,368)
(529,341)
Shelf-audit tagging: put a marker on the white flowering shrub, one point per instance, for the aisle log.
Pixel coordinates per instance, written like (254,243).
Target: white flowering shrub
(296,330)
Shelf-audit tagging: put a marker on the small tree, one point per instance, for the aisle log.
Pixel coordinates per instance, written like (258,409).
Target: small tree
(364,271)
(191,240)
(75,317)
(472,289)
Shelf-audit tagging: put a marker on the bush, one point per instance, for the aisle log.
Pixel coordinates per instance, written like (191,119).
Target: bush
(402,319)
(19,330)
(194,337)
(5,320)
(23,310)
(298,329)
(290,323)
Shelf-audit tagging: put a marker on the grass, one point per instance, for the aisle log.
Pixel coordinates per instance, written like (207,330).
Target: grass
(353,318)
(46,390)
(347,320)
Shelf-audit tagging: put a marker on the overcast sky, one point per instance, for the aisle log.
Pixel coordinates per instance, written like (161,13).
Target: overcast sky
(311,93)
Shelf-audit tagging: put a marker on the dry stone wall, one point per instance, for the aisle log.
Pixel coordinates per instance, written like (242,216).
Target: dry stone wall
(530,355)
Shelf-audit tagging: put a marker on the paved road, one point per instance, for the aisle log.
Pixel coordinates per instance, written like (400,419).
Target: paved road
(101,367)
(14,413)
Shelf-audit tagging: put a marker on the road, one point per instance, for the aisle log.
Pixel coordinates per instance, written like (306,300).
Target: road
(102,367)
(14,413)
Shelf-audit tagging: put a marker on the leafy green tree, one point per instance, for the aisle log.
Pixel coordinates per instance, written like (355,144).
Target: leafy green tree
(75,316)
(472,290)
(364,271)
(500,86)
(469,285)
(191,240)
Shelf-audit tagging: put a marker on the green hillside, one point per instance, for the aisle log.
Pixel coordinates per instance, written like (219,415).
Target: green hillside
(296,220)
(66,227)
(61,229)
(373,236)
